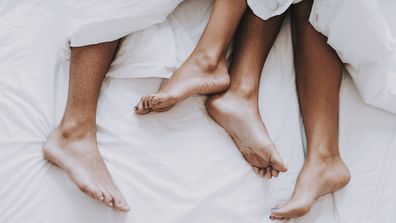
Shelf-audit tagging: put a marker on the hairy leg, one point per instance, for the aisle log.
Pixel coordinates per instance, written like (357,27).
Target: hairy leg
(237,109)
(205,70)
(319,75)
(73,144)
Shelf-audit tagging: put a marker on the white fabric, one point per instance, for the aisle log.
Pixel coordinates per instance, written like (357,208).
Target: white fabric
(172,167)
(95,21)
(170,43)
(266,9)
(365,41)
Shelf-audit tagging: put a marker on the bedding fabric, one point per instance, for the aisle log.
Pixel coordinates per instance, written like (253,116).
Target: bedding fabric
(266,9)
(172,167)
(365,42)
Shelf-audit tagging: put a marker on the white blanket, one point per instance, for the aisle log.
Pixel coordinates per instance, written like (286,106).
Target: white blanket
(363,32)
(174,167)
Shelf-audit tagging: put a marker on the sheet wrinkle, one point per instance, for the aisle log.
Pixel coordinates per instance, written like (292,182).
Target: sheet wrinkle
(188,142)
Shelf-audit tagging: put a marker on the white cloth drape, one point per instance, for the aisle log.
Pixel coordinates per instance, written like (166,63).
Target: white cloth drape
(363,32)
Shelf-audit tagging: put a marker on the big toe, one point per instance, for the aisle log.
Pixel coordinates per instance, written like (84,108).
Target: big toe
(278,163)
(119,202)
(290,210)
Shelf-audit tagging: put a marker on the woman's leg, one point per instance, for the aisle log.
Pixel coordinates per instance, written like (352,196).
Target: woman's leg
(73,146)
(319,74)
(205,71)
(237,109)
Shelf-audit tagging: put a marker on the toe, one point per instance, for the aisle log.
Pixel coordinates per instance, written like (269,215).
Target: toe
(275,173)
(98,195)
(256,169)
(262,172)
(268,173)
(124,203)
(145,103)
(277,163)
(119,202)
(139,108)
(292,209)
(108,199)
(276,214)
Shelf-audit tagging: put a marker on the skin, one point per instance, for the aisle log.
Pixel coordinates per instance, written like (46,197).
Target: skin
(319,75)
(73,145)
(236,110)
(206,72)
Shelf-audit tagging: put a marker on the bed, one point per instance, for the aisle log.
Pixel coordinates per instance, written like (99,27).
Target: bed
(173,167)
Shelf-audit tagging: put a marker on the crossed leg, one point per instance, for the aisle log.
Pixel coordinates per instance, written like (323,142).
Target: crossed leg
(319,75)
(73,145)
(237,109)
(205,70)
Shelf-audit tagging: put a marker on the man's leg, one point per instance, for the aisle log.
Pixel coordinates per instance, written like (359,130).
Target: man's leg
(205,71)
(237,109)
(73,144)
(319,74)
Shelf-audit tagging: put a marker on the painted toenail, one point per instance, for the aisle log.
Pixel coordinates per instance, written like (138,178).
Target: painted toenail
(274,209)
(135,108)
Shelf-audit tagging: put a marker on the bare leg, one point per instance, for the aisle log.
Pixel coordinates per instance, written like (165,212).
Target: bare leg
(319,74)
(73,145)
(237,109)
(205,71)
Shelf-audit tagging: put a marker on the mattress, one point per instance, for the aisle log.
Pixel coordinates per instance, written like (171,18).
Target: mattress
(172,167)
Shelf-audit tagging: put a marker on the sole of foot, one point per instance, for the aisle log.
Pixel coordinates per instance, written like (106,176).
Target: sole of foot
(240,117)
(190,79)
(317,178)
(79,157)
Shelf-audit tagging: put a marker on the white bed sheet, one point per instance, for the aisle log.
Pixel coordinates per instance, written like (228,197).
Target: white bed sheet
(177,166)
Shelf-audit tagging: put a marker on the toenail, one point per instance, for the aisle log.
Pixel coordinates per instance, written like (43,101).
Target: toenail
(274,209)
(135,108)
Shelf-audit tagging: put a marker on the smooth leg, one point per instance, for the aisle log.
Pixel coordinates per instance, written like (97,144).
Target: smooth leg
(205,71)
(319,75)
(237,109)
(73,145)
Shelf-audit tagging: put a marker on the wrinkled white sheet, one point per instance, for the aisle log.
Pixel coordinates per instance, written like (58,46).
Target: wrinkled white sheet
(366,42)
(269,8)
(172,167)
(363,32)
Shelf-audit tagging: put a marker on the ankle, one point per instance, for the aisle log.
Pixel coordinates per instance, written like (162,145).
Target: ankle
(207,61)
(322,155)
(245,91)
(72,128)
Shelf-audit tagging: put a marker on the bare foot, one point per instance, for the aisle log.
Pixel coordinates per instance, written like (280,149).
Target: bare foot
(317,178)
(195,76)
(240,117)
(76,153)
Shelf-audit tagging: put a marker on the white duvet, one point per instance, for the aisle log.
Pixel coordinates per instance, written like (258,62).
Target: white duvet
(172,167)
